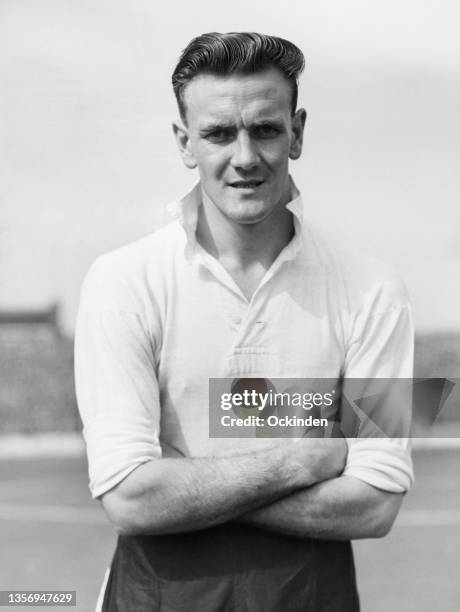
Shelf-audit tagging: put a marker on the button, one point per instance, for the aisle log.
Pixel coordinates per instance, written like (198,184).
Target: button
(237,320)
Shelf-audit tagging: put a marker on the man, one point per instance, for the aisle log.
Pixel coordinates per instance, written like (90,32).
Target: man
(239,285)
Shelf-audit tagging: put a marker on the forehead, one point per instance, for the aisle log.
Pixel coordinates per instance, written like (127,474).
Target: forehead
(210,97)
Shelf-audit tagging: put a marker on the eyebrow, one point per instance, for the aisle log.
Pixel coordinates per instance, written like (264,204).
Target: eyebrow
(218,125)
(276,121)
(226,125)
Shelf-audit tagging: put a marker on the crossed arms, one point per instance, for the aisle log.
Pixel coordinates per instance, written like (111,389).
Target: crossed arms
(295,488)
(291,487)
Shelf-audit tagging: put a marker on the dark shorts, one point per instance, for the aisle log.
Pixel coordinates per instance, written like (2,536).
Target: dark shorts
(231,568)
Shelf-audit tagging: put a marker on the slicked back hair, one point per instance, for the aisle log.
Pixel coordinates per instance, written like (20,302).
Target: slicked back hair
(236,53)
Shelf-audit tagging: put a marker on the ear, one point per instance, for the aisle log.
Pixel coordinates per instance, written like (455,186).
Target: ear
(298,125)
(183,142)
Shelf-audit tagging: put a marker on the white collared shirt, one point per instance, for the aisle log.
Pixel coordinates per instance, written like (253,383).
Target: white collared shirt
(161,316)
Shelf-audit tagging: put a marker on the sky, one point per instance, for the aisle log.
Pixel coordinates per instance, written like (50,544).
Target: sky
(88,161)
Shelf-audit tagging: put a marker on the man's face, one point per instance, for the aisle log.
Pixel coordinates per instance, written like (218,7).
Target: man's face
(240,133)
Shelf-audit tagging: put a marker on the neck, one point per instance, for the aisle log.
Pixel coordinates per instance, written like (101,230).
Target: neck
(244,244)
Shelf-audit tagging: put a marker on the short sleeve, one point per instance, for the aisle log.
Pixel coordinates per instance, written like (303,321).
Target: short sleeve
(381,346)
(115,378)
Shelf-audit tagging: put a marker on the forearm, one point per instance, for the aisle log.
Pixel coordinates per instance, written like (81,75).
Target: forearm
(174,495)
(342,508)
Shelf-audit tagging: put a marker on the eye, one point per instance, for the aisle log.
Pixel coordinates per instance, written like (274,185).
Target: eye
(266,130)
(219,135)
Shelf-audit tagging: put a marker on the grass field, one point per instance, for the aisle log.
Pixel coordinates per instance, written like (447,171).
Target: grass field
(54,537)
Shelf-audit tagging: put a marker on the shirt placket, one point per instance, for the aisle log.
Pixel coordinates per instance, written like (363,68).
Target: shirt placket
(248,353)
(234,306)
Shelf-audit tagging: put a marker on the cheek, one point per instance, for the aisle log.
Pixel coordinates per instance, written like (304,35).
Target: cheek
(276,157)
(211,163)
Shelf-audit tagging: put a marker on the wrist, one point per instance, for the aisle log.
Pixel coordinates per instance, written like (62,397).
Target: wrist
(297,469)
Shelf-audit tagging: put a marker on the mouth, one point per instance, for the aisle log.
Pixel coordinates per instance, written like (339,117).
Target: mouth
(252,184)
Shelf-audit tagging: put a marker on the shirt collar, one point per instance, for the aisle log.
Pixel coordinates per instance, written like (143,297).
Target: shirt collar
(185,211)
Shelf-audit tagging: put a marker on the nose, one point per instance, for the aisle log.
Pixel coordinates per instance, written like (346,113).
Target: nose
(245,156)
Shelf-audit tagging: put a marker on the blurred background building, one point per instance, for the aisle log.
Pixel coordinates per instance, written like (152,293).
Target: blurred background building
(36,373)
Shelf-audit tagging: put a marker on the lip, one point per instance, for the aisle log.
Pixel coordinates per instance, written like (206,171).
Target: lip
(252,184)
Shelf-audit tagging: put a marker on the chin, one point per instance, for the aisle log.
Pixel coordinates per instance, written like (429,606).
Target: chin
(241,214)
